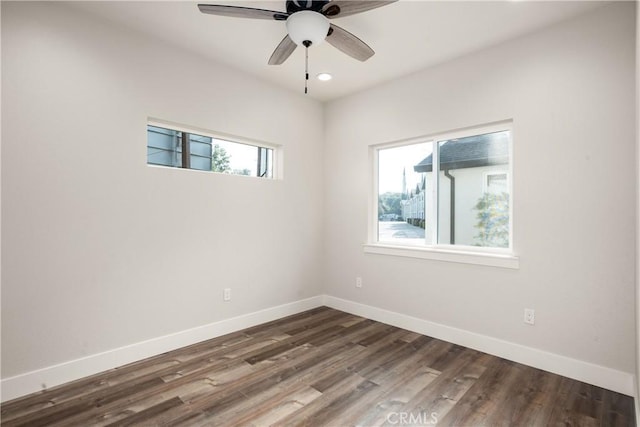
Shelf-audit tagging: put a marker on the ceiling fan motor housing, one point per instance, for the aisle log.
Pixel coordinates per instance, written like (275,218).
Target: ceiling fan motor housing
(294,6)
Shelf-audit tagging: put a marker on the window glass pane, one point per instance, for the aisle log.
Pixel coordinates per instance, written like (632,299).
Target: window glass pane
(199,152)
(200,163)
(401,194)
(197,148)
(473,190)
(269,165)
(265,157)
(165,146)
(238,159)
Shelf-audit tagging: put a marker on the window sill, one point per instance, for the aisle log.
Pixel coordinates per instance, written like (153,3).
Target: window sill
(488,259)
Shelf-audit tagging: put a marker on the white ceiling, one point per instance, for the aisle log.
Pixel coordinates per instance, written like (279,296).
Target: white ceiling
(407,36)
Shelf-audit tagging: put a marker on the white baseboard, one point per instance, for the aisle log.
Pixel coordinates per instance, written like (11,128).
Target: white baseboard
(51,376)
(636,404)
(611,379)
(601,376)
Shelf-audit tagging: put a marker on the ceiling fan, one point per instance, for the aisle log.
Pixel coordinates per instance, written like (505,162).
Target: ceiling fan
(308,24)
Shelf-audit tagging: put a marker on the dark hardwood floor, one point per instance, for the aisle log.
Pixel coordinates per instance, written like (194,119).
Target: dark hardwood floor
(318,368)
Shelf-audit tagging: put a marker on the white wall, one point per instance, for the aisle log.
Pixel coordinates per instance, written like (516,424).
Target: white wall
(568,91)
(85,268)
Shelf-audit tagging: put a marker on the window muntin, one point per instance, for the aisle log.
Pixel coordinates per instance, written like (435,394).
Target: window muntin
(462,202)
(189,150)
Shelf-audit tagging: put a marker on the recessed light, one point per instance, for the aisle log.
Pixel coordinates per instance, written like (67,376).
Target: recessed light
(324,77)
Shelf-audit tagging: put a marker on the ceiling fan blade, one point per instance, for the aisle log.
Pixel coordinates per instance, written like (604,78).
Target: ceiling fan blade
(242,12)
(348,43)
(283,51)
(340,8)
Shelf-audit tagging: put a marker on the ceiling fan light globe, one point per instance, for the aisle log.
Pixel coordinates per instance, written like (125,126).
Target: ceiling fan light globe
(307,25)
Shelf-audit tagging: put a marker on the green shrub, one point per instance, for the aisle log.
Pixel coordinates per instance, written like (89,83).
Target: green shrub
(493,220)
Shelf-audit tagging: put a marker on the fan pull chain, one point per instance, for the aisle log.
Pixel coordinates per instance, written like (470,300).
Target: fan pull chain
(306,67)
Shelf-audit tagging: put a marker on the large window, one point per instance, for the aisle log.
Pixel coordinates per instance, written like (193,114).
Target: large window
(167,146)
(450,191)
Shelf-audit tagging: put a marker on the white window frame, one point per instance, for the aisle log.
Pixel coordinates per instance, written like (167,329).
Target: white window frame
(277,162)
(496,257)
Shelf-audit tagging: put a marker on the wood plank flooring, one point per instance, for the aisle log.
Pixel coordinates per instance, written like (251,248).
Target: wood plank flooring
(322,368)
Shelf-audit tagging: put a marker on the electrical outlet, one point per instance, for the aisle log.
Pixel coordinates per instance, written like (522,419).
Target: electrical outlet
(358,282)
(529,316)
(226,294)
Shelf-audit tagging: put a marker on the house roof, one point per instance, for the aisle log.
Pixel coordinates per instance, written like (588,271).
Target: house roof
(470,152)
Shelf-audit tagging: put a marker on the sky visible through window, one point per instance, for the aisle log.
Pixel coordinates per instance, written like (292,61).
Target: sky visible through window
(392,161)
(241,156)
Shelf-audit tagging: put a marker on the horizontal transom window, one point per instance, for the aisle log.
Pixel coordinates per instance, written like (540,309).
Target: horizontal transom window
(179,148)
